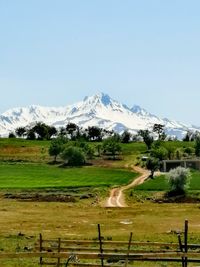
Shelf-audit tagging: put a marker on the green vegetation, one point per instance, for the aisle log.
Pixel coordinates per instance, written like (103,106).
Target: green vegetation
(160,183)
(28,176)
(178,180)
(73,156)
(26,168)
(56,147)
(153,165)
(147,138)
(111,146)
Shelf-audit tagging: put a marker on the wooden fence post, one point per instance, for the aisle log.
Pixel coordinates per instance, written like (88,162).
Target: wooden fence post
(129,246)
(100,244)
(186,240)
(41,241)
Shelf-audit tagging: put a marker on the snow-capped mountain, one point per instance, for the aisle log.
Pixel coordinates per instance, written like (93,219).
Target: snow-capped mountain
(98,110)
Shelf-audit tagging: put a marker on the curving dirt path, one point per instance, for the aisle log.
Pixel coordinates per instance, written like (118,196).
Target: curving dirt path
(116,198)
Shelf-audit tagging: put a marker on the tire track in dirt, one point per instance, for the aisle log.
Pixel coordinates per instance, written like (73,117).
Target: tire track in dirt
(116,198)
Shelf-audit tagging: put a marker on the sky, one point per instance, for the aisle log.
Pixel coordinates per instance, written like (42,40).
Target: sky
(144,52)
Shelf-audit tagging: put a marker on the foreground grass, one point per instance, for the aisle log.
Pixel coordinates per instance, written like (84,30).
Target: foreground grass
(155,222)
(21,222)
(28,176)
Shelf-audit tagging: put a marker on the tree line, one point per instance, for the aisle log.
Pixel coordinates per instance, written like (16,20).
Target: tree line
(71,131)
(76,153)
(159,150)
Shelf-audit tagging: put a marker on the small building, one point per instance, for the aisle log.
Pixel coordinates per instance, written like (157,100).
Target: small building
(186,163)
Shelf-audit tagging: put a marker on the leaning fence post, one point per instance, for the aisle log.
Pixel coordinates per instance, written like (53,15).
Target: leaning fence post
(100,244)
(129,246)
(186,240)
(59,247)
(41,241)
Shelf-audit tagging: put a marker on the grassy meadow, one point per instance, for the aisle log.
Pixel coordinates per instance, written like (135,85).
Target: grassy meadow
(34,175)
(25,166)
(160,183)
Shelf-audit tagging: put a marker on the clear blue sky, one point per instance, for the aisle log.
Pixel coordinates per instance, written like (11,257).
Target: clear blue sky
(144,52)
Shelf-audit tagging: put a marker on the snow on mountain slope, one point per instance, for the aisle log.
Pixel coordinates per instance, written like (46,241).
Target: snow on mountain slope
(98,110)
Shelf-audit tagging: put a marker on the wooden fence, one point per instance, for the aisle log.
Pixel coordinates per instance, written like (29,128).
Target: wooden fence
(102,253)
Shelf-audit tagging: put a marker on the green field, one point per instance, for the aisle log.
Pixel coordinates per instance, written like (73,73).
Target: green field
(25,170)
(43,176)
(160,183)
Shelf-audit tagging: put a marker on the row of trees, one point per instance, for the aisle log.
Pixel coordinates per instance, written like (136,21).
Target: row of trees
(42,131)
(73,132)
(76,153)
(158,150)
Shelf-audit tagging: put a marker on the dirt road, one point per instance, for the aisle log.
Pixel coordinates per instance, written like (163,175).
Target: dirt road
(116,198)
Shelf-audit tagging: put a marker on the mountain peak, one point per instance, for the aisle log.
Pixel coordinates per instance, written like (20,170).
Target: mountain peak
(97,110)
(105,99)
(101,97)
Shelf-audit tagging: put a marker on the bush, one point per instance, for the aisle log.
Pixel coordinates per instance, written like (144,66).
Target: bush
(160,153)
(86,148)
(11,135)
(73,156)
(178,180)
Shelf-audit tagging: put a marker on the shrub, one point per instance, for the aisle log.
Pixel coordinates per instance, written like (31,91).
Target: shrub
(178,180)
(73,156)
(11,135)
(160,153)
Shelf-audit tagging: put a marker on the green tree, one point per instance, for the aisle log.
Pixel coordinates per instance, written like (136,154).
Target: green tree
(72,130)
(187,137)
(94,133)
(152,164)
(73,156)
(147,137)
(20,131)
(41,129)
(111,146)
(87,149)
(30,135)
(197,146)
(125,137)
(160,153)
(56,147)
(52,131)
(178,180)
(159,130)
(11,135)
(62,132)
